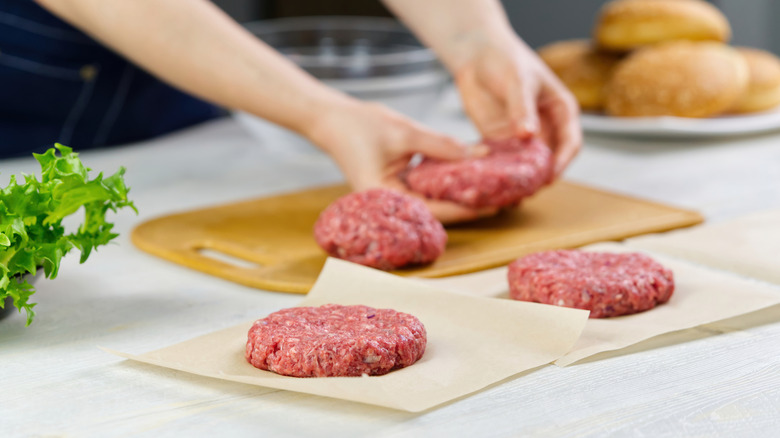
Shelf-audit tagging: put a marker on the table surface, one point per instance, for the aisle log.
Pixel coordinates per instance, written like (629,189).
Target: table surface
(56,382)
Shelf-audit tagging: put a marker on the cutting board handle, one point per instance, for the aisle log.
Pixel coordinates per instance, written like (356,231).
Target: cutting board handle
(221,264)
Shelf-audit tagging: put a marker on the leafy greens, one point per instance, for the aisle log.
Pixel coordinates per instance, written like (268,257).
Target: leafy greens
(31,213)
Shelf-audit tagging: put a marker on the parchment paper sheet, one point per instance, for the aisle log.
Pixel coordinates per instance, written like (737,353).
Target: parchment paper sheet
(702,296)
(748,246)
(472,342)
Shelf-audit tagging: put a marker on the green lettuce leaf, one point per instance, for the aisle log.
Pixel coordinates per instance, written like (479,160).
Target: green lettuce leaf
(31,232)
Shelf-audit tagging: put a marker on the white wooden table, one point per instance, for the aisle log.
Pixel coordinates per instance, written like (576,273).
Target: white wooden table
(56,382)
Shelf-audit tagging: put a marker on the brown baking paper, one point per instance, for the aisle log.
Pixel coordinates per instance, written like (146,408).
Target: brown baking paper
(702,295)
(748,246)
(472,342)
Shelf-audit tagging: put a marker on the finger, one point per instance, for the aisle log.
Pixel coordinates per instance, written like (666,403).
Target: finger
(563,113)
(434,145)
(446,212)
(486,111)
(449,213)
(393,171)
(522,106)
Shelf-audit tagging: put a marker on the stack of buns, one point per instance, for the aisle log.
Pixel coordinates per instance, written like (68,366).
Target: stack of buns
(664,58)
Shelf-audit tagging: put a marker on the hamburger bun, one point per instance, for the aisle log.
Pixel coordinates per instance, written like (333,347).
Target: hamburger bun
(684,79)
(624,25)
(583,69)
(763,90)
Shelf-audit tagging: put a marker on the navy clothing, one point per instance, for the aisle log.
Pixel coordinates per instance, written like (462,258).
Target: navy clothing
(59,85)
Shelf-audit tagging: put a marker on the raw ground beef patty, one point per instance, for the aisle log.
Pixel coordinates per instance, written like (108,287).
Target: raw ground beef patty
(380,228)
(334,340)
(607,284)
(514,169)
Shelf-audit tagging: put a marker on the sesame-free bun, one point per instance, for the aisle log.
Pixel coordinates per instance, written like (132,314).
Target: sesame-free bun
(763,90)
(682,78)
(583,69)
(624,25)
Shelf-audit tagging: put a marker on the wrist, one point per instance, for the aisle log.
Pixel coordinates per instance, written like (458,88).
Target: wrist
(326,116)
(306,110)
(463,47)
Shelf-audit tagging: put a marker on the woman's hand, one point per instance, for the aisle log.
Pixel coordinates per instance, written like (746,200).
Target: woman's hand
(508,91)
(373,144)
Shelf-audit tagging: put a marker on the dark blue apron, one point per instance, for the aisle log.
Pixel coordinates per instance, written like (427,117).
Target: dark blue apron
(59,85)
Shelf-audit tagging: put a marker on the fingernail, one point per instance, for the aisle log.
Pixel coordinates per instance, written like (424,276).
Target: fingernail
(529,127)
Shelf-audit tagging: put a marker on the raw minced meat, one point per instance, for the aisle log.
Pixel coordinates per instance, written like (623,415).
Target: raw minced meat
(335,340)
(514,169)
(607,284)
(380,228)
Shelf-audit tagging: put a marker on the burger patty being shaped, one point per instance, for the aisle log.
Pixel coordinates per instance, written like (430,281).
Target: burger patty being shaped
(514,169)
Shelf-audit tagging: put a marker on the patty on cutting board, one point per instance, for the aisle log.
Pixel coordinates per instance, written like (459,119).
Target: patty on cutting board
(380,228)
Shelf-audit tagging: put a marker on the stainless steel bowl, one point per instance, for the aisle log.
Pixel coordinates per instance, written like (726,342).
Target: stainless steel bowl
(347,47)
(373,59)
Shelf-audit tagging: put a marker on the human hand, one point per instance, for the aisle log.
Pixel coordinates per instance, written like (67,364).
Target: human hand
(373,145)
(507,91)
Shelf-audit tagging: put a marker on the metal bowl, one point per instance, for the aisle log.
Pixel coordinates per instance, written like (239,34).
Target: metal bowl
(373,59)
(347,47)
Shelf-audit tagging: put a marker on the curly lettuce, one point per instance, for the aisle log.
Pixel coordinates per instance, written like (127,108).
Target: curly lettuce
(31,212)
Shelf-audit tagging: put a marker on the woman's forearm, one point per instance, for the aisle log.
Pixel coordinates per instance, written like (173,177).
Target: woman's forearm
(452,28)
(194,46)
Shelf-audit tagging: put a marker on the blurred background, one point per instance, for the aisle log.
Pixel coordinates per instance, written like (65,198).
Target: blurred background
(537,21)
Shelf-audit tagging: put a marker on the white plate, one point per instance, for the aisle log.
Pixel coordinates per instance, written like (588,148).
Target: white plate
(671,127)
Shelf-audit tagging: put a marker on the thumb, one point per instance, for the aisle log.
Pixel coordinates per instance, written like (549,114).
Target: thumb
(439,146)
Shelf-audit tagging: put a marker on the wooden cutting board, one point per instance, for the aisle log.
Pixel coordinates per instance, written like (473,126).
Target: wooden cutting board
(274,235)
